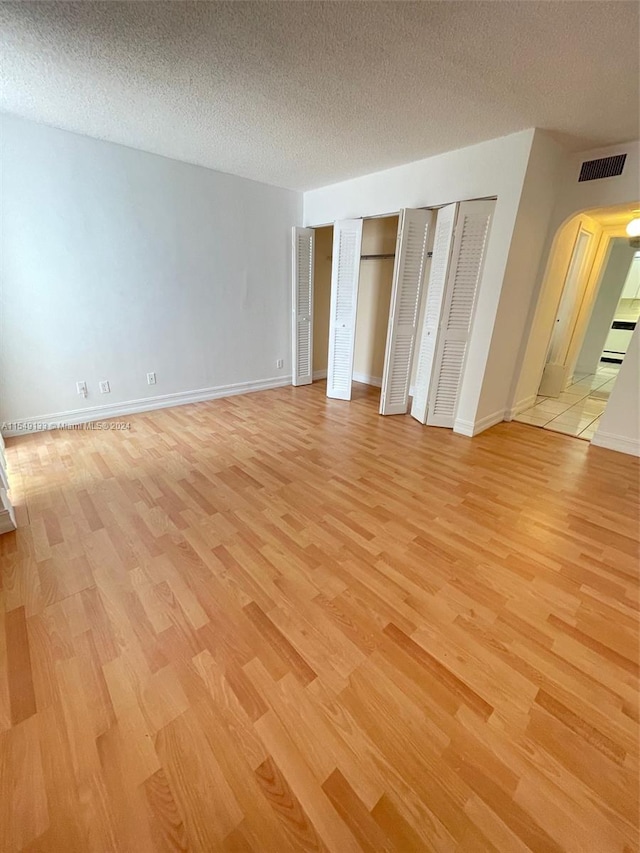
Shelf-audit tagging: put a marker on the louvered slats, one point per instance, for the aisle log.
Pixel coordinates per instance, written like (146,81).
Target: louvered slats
(304,342)
(399,378)
(408,275)
(345,272)
(465,284)
(302,302)
(437,280)
(448,379)
(465,271)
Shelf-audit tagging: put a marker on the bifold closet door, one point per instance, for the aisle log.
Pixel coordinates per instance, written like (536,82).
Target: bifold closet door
(408,276)
(465,271)
(442,243)
(302,306)
(345,274)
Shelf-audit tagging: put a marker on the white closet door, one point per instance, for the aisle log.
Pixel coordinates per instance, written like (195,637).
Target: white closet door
(302,306)
(465,270)
(435,292)
(345,273)
(408,276)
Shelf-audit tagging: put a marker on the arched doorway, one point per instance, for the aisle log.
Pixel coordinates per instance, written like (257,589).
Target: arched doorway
(584,321)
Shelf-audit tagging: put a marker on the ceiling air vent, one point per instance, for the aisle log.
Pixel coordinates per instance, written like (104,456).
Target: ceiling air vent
(605,167)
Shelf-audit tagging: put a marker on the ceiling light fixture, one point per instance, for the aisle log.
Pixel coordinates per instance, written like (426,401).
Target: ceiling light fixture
(633,230)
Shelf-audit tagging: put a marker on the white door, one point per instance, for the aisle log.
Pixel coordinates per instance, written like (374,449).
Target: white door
(557,369)
(302,306)
(465,271)
(435,293)
(408,276)
(345,273)
(569,303)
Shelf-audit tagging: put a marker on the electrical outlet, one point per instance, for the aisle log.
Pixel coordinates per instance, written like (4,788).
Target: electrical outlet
(81,388)
(279,363)
(151,379)
(105,387)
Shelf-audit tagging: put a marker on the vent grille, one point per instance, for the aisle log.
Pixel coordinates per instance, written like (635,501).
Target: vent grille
(605,167)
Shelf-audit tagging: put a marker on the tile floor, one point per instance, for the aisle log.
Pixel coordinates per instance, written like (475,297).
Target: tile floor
(577,410)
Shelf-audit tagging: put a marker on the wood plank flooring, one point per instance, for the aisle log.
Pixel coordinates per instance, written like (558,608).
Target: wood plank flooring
(278,623)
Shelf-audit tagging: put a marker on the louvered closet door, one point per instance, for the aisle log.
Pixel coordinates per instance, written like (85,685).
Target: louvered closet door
(465,270)
(408,276)
(302,306)
(435,293)
(345,273)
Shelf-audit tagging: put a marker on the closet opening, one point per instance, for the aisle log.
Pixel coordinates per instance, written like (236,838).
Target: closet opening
(370,306)
(377,258)
(321,299)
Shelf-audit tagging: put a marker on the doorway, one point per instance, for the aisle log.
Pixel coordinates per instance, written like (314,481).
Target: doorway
(598,309)
(377,257)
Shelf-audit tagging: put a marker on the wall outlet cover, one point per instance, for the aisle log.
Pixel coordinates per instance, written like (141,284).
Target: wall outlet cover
(105,387)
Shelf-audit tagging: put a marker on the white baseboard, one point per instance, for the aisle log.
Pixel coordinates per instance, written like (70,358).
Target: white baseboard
(357,377)
(520,406)
(146,404)
(367,379)
(616,442)
(471,428)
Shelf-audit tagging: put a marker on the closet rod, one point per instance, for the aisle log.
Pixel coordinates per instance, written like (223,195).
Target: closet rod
(370,257)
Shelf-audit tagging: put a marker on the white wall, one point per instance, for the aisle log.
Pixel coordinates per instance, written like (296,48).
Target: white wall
(117,262)
(619,427)
(516,299)
(479,171)
(610,289)
(496,168)
(572,198)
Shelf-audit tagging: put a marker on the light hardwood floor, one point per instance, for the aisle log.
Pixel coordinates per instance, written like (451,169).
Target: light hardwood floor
(277,623)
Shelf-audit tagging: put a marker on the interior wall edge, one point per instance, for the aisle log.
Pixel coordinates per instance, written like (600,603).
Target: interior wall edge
(461,426)
(545,167)
(520,406)
(479,171)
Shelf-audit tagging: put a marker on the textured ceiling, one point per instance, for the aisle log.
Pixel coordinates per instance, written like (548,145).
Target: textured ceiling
(301,94)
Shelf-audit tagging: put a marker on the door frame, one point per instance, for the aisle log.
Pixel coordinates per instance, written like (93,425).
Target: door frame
(592,287)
